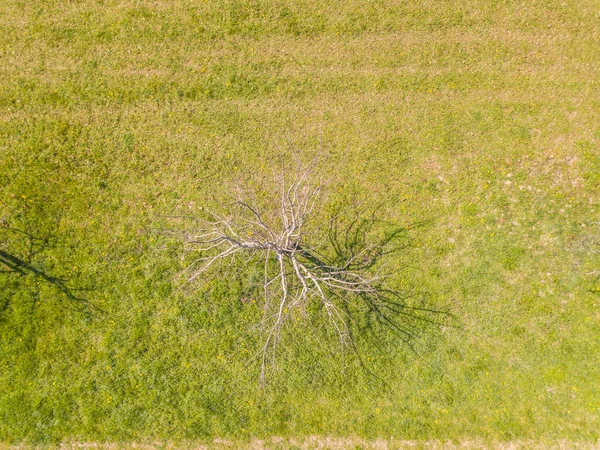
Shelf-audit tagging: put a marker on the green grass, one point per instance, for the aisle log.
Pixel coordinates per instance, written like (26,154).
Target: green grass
(479,120)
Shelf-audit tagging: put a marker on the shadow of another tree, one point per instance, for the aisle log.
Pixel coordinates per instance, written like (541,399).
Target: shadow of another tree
(21,253)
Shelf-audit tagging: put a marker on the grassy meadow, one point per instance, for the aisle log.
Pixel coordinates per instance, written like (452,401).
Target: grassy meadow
(474,125)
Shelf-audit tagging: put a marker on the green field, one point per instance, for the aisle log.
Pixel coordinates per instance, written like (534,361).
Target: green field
(475,126)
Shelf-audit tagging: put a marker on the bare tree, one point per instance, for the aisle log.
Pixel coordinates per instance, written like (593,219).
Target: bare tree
(279,236)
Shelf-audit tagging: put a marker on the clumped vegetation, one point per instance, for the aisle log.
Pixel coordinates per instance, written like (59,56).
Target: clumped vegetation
(473,128)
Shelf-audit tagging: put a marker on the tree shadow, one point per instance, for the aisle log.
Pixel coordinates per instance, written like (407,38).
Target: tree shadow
(21,264)
(370,243)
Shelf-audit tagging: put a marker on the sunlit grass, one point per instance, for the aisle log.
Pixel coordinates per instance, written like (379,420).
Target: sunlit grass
(478,122)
